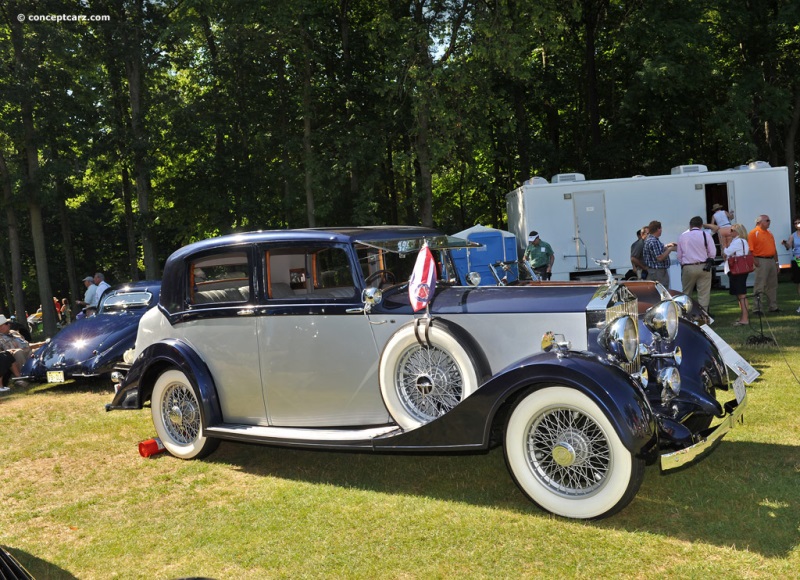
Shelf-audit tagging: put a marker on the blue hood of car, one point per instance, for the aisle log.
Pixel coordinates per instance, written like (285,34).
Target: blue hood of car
(86,339)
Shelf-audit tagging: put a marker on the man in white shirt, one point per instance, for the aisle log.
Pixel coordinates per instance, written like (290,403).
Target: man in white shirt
(100,287)
(695,248)
(88,282)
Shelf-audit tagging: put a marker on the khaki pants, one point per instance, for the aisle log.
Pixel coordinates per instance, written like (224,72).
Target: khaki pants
(766,283)
(693,276)
(659,275)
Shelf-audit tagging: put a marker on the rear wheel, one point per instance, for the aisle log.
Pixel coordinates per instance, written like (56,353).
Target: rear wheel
(177,417)
(566,456)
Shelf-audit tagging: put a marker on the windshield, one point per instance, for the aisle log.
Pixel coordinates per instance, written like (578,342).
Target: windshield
(125,301)
(404,246)
(400,265)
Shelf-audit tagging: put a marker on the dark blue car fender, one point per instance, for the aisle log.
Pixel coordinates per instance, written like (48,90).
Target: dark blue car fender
(471,424)
(152,362)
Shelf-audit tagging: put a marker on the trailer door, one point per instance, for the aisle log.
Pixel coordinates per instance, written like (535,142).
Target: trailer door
(591,242)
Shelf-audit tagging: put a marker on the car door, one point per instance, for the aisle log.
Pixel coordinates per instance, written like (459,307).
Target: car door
(319,362)
(219,322)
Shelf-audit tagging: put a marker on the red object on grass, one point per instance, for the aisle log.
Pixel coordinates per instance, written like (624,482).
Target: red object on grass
(151,447)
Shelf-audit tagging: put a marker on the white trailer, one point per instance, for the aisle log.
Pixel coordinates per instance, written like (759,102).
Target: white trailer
(586,221)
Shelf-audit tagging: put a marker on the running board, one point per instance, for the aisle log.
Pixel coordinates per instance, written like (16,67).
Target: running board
(300,436)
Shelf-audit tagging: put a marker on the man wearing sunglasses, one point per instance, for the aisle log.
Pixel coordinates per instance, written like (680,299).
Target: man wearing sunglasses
(765,252)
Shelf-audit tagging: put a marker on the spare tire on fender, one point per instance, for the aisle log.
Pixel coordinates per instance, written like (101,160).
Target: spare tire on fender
(426,370)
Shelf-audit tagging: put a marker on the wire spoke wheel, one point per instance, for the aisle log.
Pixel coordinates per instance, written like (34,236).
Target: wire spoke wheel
(178,418)
(429,382)
(566,455)
(180,413)
(568,452)
(423,379)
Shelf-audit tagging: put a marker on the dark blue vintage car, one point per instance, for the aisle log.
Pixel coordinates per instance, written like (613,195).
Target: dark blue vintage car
(92,346)
(308,338)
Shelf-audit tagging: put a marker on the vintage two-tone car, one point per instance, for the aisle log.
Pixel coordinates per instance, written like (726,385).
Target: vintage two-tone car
(308,338)
(92,346)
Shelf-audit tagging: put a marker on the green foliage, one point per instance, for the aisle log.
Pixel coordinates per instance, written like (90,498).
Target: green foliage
(482,95)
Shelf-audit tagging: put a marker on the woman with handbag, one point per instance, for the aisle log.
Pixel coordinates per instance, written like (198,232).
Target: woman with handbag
(738,264)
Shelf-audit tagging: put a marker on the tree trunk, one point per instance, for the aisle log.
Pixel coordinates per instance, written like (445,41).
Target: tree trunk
(130,223)
(789,150)
(69,253)
(13,242)
(307,151)
(134,69)
(422,147)
(31,181)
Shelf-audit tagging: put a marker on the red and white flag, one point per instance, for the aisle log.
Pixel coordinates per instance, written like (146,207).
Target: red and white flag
(422,284)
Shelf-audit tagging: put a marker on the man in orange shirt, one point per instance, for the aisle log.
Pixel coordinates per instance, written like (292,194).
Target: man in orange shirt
(765,252)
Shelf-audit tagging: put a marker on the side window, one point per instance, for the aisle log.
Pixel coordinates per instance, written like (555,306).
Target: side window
(221,278)
(309,274)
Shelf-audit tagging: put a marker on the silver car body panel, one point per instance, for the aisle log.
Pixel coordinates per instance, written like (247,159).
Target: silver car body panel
(507,338)
(319,371)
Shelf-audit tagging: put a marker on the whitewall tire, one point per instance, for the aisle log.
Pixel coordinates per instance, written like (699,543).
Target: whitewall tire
(421,383)
(177,417)
(566,456)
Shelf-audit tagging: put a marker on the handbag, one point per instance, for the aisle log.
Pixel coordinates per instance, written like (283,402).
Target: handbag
(741,264)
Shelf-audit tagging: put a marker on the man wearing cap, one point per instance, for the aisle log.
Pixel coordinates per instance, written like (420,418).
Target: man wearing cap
(539,255)
(765,253)
(11,341)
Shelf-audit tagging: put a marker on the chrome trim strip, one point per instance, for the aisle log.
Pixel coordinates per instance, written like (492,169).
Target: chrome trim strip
(683,457)
(303,434)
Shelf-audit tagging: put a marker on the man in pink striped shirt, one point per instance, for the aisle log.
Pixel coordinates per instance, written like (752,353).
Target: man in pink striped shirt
(695,246)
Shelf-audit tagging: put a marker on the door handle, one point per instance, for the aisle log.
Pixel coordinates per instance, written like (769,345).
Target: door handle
(355,311)
(246,312)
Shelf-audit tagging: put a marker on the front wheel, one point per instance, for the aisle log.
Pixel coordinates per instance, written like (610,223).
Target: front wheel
(566,456)
(177,417)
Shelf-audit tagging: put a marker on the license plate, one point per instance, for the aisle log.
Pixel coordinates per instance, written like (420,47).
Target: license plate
(55,376)
(739,389)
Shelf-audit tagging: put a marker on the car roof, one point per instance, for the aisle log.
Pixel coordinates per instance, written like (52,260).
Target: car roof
(140,286)
(173,268)
(342,235)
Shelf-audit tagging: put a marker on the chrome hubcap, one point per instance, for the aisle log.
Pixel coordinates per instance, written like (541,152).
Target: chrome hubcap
(568,452)
(181,414)
(428,382)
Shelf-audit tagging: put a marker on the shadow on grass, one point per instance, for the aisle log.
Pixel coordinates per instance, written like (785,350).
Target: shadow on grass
(37,567)
(94,385)
(744,495)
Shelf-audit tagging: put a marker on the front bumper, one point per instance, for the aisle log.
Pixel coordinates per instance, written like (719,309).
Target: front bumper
(707,442)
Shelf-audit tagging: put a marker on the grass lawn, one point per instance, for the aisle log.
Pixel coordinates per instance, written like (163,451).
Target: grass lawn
(79,502)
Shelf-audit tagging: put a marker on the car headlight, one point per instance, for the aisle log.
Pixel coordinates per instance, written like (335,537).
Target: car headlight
(685,303)
(621,338)
(662,319)
(670,380)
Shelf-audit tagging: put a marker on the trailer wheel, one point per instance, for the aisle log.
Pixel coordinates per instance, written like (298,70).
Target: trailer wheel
(420,383)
